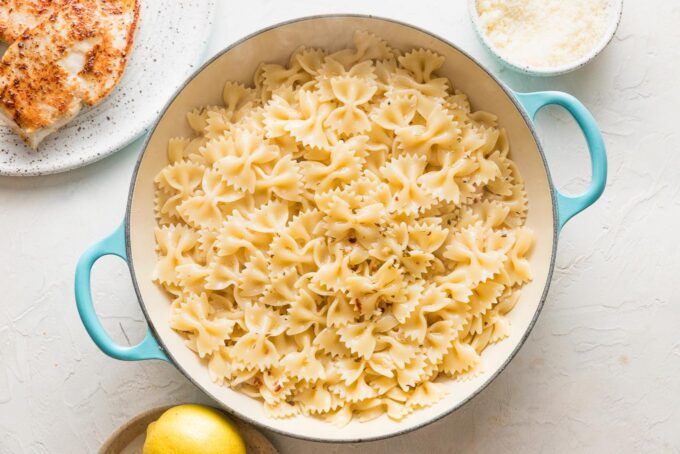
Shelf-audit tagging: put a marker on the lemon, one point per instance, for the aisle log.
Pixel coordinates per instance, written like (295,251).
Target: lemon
(193,429)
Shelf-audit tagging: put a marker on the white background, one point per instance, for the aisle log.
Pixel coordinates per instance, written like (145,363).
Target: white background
(600,372)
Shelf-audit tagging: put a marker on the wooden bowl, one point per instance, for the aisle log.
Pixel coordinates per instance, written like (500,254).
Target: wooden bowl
(129,438)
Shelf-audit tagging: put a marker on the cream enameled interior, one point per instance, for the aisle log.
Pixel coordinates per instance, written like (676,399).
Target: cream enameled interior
(276,45)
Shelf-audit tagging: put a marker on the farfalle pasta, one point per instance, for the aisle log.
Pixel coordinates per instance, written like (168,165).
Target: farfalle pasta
(344,236)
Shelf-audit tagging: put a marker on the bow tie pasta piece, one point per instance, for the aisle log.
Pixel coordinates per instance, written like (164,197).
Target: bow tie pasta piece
(198,118)
(412,372)
(281,290)
(177,182)
(387,284)
(217,123)
(346,220)
(254,276)
(333,269)
(438,339)
(395,112)
(367,46)
(308,128)
(224,272)
(455,283)
(356,392)
(421,63)
(236,236)
(278,112)
(434,88)
(310,60)
(490,213)
(206,208)
(331,69)
(402,175)
(306,226)
(304,314)
(478,251)
(281,410)
(329,341)
(304,364)
(270,217)
(402,310)
(426,394)
(270,76)
(460,359)
(237,97)
(431,300)
(427,235)
(360,338)
(176,149)
(255,348)
(502,184)
(192,276)
(351,93)
(277,385)
(439,130)
(344,237)
(284,180)
(244,153)
(517,266)
(288,253)
(174,244)
(340,310)
(222,366)
(250,119)
(497,328)
(346,159)
(517,204)
(252,232)
(451,182)
(317,400)
(483,297)
(195,315)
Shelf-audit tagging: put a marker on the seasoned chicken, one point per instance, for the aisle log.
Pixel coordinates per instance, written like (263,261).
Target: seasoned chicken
(16,16)
(73,58)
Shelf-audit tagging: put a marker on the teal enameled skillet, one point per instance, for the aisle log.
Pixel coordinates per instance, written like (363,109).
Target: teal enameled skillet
(134,241)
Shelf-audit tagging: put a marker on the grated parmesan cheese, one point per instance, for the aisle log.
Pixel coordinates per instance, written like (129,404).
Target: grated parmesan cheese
(543,33)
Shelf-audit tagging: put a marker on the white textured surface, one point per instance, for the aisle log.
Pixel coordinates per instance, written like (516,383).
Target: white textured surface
(598,374)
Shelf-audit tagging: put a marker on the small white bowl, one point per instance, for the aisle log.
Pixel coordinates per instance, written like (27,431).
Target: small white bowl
(615,12)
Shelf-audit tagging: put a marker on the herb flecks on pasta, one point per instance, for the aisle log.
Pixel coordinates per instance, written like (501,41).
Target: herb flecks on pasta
(343,237)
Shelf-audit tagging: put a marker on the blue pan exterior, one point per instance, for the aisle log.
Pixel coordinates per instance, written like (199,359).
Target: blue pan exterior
(564,208)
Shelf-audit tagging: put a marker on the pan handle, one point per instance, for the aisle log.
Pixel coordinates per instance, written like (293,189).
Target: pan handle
(569,206)
(147,348)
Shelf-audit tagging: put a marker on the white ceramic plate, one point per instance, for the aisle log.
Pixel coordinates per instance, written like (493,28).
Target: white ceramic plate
(170,44)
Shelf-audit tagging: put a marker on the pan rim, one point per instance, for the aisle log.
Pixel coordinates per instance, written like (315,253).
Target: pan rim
(262,423)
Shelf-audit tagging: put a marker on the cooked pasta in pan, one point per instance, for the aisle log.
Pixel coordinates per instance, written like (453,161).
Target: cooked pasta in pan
(343,236)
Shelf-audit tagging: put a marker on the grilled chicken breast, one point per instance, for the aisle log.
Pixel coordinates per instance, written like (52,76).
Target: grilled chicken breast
(17,16)
(73,58)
